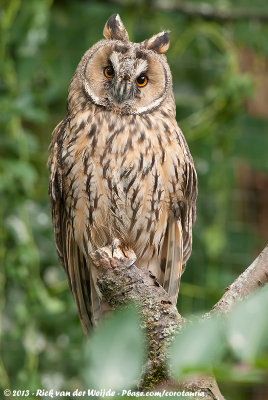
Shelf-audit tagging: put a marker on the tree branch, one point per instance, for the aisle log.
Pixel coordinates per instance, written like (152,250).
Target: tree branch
(252,278)
(202,11)
(207,12)
(120,282)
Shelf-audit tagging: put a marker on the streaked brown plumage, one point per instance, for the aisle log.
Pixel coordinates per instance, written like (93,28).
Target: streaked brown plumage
(121,168)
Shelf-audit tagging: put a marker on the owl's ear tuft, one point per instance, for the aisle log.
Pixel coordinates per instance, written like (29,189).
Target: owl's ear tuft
(159,43)
(114,29)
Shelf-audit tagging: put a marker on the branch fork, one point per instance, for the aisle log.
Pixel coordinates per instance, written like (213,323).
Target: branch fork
(121,282)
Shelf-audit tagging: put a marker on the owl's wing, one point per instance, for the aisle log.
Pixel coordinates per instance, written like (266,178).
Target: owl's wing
(172,256)
(177,245)
(187,208)
(68,251)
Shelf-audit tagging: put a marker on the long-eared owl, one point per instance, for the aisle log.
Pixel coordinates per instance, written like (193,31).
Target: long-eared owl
(120,168)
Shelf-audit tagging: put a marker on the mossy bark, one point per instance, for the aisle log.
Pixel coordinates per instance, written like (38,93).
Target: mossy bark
(121,282)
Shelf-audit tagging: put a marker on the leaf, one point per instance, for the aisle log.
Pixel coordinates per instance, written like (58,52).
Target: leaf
(115,352)
(248,325)
(198,345)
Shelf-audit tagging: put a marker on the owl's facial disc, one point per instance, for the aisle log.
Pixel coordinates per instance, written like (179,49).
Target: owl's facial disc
(126,78)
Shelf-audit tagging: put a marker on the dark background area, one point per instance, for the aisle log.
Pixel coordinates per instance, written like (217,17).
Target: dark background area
(220,73)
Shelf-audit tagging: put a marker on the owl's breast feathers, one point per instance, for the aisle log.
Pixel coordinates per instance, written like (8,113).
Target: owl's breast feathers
(125,177)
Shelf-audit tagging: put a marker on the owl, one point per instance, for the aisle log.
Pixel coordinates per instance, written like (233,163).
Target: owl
(121,173)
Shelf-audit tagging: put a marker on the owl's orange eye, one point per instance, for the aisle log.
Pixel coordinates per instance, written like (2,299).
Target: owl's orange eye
(109,71)
(142,80)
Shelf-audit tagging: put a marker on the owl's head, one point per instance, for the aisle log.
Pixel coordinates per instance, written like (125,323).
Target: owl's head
(126,77)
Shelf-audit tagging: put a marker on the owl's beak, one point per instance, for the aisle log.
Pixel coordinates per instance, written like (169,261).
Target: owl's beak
(121,91)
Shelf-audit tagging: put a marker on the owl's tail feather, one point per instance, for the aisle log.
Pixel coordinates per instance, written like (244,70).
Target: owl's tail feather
(99,307)
(78,277)
(174,258)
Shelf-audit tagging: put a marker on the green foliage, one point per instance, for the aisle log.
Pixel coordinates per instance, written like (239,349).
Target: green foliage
(233,345)
(203,340)
(115,363)
(40,46)
(247,327)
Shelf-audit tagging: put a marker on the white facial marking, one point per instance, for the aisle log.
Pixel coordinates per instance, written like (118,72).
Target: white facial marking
(142,66)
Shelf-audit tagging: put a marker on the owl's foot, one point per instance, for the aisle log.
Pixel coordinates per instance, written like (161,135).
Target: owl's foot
(127,253)
(118,245)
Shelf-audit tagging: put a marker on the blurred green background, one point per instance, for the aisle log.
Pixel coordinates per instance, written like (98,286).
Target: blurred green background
(220,72)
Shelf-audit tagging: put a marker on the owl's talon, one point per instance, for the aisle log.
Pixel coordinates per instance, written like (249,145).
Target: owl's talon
(115,244)
(124,253)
